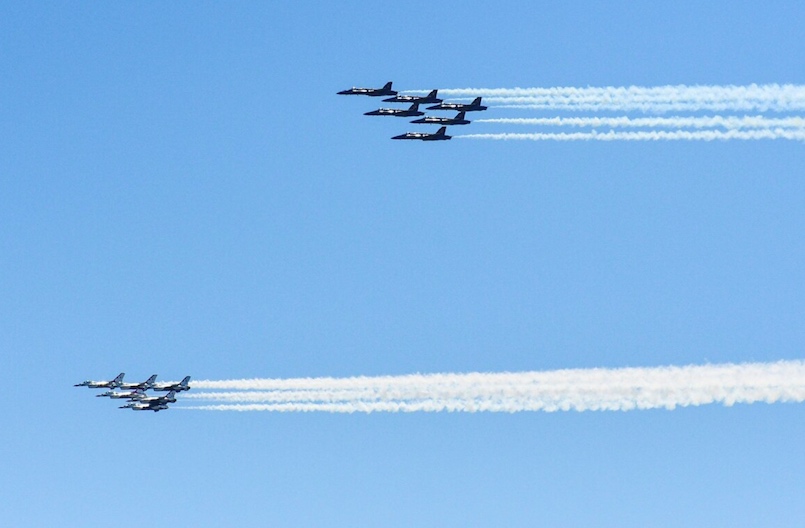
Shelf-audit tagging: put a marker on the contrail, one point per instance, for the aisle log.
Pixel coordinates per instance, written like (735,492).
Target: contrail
(726,122)
(646,107)
(651,135)
(561,390)
(768,97)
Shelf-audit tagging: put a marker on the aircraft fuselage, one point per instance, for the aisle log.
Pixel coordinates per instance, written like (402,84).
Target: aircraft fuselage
(396,112)
(371,92)
(433,120)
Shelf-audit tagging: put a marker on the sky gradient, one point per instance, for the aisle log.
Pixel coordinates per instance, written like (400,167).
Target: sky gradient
(182,193)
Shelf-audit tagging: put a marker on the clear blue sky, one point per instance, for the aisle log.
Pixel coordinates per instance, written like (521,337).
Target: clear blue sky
(182,192)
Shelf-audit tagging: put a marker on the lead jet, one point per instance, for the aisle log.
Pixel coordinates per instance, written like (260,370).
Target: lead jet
(412,111)
(153,403)
(176,387)
(421,99)
(372,92)
(136,394)
(433,120)
(474,106)
(424,136)
(144,385)
(113,384)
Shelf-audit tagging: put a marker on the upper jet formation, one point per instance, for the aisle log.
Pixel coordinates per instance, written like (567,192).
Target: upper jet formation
(421,99)
(424,136)
(372,92)
(433,120)
(474,106)
(413,111)
(113,384)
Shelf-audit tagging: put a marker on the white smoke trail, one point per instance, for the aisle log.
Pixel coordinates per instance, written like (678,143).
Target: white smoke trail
(649,107)
(666,92)
(578,390)
(727,122)
(769,97)
(650,135)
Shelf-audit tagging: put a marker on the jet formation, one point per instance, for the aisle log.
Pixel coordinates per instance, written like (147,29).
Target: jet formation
(135,393)
(414,111)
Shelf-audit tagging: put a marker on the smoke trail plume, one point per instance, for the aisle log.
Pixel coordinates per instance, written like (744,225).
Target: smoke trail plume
(770,97)
(562,390)
(726,122)
(651,135)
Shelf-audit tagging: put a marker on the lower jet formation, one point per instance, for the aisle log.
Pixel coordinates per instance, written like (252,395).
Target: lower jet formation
(424,136)
(413,111)
(153,403)
(434,120)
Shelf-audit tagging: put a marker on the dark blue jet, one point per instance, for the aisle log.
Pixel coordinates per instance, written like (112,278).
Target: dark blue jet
(433,120)
(372,92)
(423,136)
(413,111)
(421,99)
(461,107)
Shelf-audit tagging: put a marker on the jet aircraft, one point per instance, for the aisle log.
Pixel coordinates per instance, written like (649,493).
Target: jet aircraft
(154,403)
(424,136)
(113,384)
(412,111)
(372,92)
(136,406)
(136,394)
(145,385)
(421,99)
(177,387)
(434,120)
(474,106)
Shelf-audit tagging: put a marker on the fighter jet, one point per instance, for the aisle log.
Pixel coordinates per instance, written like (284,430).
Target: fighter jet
(145,385)
(475,105)
(421,99)
(156,407)
(153,403)
(433,120)
(372,92)
(176,387)
(412,111)
(136,394)
(114,384)
(423,136)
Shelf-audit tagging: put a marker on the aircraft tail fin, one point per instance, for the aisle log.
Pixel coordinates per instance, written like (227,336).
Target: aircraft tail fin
(441,131)
(185,381)
(461,115)
(432,93)
(476,101)
(414,107)
(151,380)
(119,378)
(387,86)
